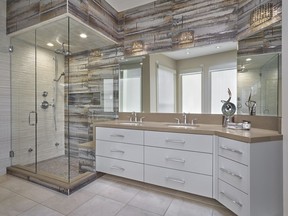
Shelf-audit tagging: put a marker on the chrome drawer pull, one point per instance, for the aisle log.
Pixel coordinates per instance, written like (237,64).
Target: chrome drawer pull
(117,168)
(117,135)
(118,151)
(232,200)
(181,181)
(175,141)
(231,149)
(175,159)
(230,173)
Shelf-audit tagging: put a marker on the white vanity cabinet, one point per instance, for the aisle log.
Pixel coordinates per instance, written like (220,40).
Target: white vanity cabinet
(250,177)
(179,161)
(120,152)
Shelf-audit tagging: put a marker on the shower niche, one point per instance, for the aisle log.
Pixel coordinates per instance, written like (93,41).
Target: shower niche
(51,119)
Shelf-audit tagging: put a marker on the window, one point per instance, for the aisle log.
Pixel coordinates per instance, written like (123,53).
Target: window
(191,92)
(130,90)
(166,77)
(221,80)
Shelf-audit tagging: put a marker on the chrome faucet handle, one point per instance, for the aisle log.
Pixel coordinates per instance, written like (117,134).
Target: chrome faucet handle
(130,118)
(141,119)
(193,121)
(184,118)
(178,120)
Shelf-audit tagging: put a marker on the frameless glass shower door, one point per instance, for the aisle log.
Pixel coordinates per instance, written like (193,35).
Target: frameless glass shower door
(38,66)
(23,103)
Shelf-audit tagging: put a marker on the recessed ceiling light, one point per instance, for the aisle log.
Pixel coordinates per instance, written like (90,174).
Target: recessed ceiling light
(83,35)
(50,44)
(248,59)
(217,47)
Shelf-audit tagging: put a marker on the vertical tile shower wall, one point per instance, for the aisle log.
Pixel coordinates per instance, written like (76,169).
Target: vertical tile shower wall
(4,92)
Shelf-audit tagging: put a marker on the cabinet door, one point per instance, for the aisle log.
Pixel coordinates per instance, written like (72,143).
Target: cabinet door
(234,150)
(234,173)
(197,162)
(179,180)
(234,199)
(121,168)
(120,151)
(190,142)
(119,135)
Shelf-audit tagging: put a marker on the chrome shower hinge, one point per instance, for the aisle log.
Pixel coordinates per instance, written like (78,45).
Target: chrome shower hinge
(10,48)
(11,154)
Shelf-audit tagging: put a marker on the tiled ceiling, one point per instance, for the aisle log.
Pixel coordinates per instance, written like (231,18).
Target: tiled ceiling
(122,5)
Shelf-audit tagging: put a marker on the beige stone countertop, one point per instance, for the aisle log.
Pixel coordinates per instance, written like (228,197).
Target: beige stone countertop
(253,135)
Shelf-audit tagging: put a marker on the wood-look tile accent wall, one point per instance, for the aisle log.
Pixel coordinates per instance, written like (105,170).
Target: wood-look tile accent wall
(4,92)
(98,15)
(23,13)
(254,40)
(87,100)
(158,24)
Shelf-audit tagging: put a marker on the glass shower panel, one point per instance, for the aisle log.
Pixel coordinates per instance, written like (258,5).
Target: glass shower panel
(52,43)
(23,105)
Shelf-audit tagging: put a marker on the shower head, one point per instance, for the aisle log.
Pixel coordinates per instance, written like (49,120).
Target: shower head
(62,74)
(63,51)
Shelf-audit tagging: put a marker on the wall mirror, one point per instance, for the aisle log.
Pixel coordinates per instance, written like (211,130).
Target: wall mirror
(187,80)
(195,80)
(259,72)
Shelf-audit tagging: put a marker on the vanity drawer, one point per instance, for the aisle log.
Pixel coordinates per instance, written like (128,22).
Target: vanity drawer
(190,142)
(234,150)
(121,168)
(120,151)
(179,180)
(234,173)
(119,135)
(181,160)
(234,199)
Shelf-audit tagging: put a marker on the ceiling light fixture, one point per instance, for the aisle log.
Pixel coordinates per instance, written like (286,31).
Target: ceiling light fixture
(248,59)
(50,44)
(261,14)
(217,47)
(82,35)
(186,37)
(137,46)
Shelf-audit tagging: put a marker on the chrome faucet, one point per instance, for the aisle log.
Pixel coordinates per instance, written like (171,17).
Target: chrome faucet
(184,118)
(133,117)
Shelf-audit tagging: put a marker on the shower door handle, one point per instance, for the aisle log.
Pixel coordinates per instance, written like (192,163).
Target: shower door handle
(29,118)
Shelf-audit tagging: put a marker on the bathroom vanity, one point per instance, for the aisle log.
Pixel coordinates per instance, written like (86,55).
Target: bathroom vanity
(240,169)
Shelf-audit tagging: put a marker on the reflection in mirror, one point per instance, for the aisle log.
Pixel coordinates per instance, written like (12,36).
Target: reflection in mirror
(130,91)
(191,81)
(258,84)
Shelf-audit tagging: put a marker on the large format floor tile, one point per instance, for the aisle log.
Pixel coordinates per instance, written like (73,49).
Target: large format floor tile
(27,189)
(133,211)
(120,191)
(186,207)
(15,205)
(98,206)
(152,201)
(41,210)
(106,196)
(66,204)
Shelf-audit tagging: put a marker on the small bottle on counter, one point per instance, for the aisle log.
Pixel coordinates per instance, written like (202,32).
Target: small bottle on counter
(246,125)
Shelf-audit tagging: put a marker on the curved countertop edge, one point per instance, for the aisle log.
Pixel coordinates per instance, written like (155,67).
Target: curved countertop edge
(254,135)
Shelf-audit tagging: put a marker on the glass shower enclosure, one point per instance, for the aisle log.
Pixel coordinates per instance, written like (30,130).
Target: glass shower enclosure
(51,144)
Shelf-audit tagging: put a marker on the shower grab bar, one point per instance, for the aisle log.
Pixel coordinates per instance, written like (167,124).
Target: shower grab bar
(29,118)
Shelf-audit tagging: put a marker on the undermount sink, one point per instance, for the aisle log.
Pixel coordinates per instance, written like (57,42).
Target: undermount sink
(185,126)
(130,123)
